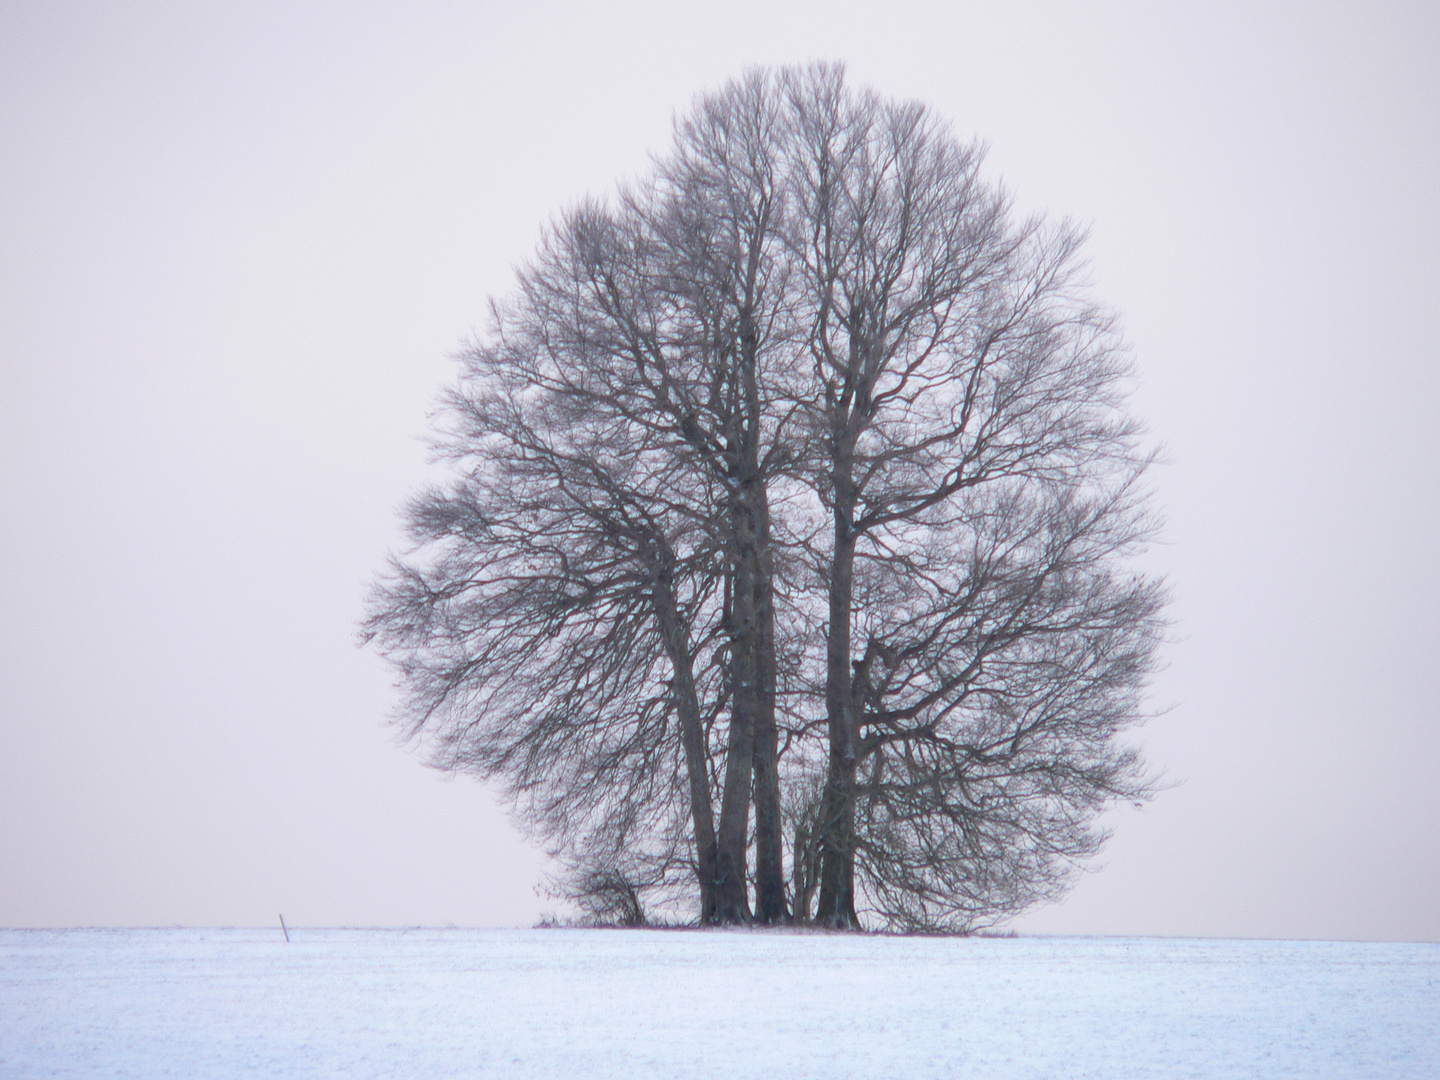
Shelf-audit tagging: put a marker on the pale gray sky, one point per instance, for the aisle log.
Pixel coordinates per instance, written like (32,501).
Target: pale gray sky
(238,242)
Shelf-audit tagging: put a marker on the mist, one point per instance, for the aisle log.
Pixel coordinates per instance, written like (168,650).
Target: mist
(239,244)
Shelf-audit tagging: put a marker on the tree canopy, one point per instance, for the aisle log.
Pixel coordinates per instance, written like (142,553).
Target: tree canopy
(786,568)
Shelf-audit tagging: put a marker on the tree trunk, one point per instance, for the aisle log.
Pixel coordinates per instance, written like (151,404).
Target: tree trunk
(752,759)
(756,566)
(837,807)
(692,734)
(731,895)
(770,905)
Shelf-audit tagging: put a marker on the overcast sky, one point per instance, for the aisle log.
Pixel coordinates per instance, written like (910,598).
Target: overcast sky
(238,243)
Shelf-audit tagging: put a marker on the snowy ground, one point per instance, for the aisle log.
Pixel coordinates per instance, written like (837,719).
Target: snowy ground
(606,1003)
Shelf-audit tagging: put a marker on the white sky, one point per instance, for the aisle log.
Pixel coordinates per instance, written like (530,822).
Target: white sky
(238,242)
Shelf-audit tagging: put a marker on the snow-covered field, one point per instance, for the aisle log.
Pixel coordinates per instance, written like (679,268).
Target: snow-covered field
(610,1003)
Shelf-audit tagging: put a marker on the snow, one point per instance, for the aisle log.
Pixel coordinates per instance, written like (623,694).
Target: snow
(611,1003)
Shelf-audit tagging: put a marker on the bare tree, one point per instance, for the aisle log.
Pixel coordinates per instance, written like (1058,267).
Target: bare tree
(645,324)
(981,477)
(544,637)
(796,479)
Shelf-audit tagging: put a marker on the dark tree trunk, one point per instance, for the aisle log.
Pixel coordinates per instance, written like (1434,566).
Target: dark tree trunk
(676,639)
(752,765)
(770,905)
(731,892)
(755,564)
(837,807)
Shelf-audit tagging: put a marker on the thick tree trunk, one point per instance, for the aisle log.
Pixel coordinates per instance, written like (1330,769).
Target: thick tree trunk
(676,639)
(770,904)
(756,564)
(731,887)
(751,768)
(837,807)
(752,759)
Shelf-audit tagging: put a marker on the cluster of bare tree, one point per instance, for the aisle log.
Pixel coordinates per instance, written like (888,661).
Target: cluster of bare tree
(783,573)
